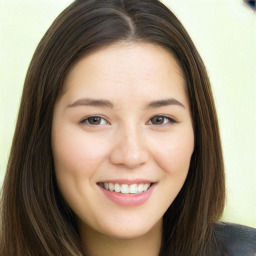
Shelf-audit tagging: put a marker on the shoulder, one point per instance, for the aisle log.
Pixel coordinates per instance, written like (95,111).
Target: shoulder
(236,239)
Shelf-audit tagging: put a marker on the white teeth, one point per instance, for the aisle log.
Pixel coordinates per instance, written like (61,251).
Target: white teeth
(117,188)
(133,189)
(127,189)
(111,186)
(145,187)
(140,188)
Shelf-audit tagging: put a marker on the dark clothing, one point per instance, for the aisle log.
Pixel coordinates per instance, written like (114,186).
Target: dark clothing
(235,239)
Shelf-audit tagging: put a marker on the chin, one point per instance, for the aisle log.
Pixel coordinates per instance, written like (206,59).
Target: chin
(127,234)
(128,231)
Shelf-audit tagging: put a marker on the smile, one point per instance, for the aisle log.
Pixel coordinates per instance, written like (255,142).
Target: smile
(125,188)
(127,193)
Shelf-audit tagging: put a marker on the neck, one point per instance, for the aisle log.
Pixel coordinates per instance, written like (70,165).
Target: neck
(97,244)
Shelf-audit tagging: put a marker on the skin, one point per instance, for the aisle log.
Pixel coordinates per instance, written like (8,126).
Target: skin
(126,143)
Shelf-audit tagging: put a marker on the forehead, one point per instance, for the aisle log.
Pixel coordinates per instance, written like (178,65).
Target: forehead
(131,69)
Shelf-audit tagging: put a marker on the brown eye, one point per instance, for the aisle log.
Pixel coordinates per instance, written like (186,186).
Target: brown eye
(158,120)
(161,120)
(94,120)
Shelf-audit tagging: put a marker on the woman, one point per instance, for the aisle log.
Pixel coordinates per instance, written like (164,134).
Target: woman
(117,149)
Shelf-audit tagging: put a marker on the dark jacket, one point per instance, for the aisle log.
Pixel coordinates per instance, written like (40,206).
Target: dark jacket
(235,239)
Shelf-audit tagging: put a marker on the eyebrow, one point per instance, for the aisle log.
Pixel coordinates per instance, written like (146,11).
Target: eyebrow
(108,104)
(92,102)
(164,102)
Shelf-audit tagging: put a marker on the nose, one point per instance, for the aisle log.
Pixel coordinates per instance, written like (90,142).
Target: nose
(129,149)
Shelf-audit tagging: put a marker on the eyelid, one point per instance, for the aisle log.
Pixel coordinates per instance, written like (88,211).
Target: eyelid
(85,119)
(170,119)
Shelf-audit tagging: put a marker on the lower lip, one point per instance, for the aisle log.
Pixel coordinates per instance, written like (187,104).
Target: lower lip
(128,199)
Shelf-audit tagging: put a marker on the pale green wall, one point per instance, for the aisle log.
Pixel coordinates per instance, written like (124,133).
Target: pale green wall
(225,35)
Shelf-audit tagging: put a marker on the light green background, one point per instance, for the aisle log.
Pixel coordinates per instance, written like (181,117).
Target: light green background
(225,35)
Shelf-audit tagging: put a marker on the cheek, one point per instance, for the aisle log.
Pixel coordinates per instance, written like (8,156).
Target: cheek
(76,159)
(174,154)
(173,157)
(77,152)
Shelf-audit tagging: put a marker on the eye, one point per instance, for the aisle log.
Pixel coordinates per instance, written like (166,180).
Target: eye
(161,120)
(94,120)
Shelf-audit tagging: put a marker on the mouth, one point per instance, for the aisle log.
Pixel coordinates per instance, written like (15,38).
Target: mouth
(127,192)
(123,188)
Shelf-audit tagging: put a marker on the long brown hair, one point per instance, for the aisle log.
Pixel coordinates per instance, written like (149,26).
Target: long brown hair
(34,218)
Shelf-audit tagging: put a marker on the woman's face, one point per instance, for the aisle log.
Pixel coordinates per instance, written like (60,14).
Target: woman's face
(122,123)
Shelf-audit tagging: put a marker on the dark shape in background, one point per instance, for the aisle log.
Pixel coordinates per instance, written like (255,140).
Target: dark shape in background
(251,4)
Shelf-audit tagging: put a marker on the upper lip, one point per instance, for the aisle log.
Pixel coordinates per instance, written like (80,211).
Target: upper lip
(127,181)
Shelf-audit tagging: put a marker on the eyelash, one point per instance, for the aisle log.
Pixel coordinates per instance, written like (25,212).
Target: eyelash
(86,120)
(166,118)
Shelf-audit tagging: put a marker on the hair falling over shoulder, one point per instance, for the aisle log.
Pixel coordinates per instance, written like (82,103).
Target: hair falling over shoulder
(35,220)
